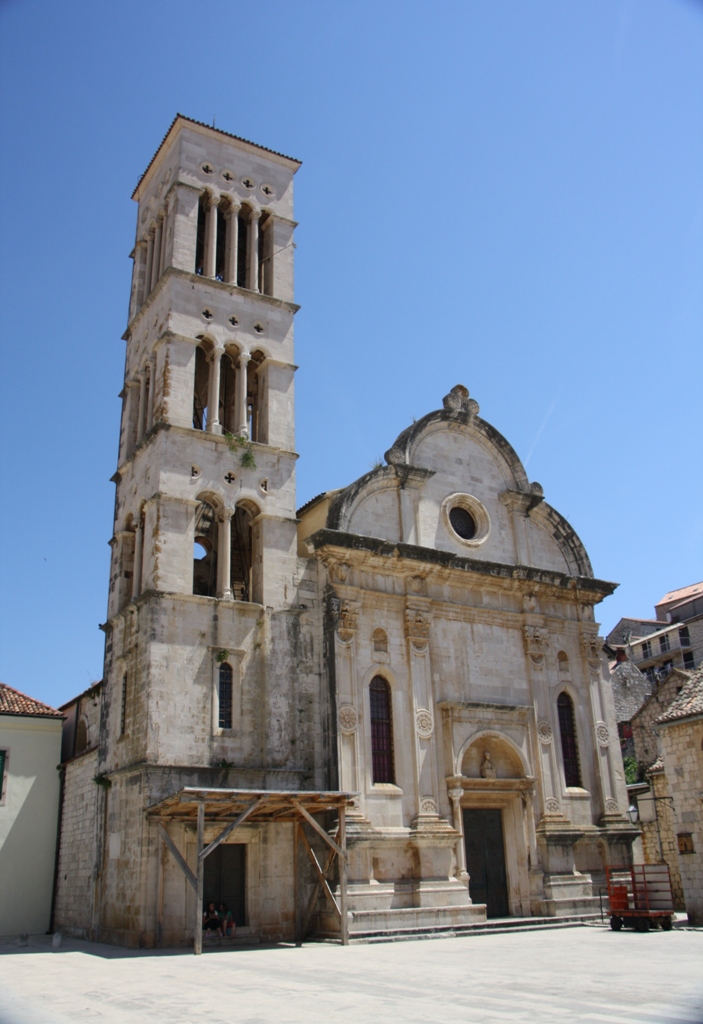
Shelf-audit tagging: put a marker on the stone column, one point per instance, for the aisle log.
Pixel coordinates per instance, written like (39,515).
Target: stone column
(213,401)
(536,638)
(241,407)
(232,243)
(138,558)
(253,255)
(149,261)
(224,553)
(417,633)
(462,874)
(141,418)
(591,649)
(211,235)
(150,397)
(156,259)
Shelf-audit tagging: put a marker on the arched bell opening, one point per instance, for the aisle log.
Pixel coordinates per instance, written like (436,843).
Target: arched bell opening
(205,550)
(201,383)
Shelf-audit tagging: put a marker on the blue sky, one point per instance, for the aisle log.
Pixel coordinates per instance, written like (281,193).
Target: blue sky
(505,194)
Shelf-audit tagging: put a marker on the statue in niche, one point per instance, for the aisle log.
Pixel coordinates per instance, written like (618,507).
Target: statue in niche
(488,769)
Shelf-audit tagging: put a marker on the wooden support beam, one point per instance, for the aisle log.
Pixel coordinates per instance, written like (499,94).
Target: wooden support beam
(344,916)
(320,874)
(319,829)
(313,896)
(230,828)
(178,857)
(198,935)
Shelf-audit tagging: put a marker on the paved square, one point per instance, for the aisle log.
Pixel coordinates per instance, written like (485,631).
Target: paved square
(561,975)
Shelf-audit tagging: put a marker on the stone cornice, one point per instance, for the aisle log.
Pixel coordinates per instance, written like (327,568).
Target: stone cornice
(377,554)
(230,289)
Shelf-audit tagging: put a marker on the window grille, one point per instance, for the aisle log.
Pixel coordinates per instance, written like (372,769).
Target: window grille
(381,731)
(225,696)
(569,746)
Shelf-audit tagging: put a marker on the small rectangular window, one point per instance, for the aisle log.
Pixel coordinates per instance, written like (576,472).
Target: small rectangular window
(685,842)
(688,661)
(664,643)
(647,649)
(684,637)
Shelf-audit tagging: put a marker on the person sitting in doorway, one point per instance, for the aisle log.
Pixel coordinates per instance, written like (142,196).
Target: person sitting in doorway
(211,920)
(227,925)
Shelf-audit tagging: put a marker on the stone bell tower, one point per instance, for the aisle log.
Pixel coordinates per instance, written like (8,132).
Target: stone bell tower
(199,678)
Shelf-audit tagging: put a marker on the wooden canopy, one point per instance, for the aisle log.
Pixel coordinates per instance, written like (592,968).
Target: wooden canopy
(231,807)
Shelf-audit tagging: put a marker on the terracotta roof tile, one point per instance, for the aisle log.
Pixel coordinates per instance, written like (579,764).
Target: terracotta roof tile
(12,702)
(688,702)
(681,594)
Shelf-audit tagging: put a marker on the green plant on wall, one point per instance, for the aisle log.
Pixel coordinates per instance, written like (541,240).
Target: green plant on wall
(102,780)
(632,771)
(221,656)
(235,443)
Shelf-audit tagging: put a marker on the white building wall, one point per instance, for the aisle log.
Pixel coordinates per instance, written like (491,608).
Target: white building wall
(28,818)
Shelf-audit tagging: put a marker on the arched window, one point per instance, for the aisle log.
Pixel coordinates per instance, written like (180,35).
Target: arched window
(81,736)
(242,549)
(381,731)
(225,696)
(563,663)
(228,395)
(569,746)
(205,551)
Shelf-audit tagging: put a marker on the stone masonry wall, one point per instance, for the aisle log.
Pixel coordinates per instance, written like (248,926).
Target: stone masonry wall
(74,897)
(662,828)
(682,752)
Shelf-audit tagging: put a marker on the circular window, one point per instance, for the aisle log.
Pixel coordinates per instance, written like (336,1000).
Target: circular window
(462,522)
(466,519)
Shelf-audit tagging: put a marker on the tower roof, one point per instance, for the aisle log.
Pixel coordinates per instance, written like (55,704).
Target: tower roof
(217,132)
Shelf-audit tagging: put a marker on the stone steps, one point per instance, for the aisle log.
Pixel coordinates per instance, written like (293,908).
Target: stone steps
(495,926)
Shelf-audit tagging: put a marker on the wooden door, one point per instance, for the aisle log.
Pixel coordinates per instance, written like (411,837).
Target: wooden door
(485,859)
(224,879)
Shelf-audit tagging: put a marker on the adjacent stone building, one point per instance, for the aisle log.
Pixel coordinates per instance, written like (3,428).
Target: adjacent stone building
(420,647)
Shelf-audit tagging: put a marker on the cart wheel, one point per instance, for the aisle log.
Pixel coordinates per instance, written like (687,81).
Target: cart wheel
(642,924)
(616,923)
(667,923)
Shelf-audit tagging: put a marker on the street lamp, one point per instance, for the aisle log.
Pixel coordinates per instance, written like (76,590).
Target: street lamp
(633,814)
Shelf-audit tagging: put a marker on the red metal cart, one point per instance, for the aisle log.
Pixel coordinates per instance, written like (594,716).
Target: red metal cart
(640,896)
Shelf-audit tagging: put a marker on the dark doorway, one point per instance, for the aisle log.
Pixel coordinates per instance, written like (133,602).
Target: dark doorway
(224,879)
(485,860)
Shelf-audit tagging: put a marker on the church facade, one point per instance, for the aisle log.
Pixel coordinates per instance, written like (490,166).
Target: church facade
(423,641)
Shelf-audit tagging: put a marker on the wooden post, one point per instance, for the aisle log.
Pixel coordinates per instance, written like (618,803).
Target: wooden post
(343,875)
(296,886)
(200,864)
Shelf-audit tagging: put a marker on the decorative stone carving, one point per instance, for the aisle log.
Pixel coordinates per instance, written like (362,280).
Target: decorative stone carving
(424,723)
(455,794)
(458,402)
(428,806)
(611,806)
(591,648)
(346,623)
(415,584)
(602,734)
(395,456)
(551,806)
(487,769)
(417,627)
(536,642)
(342,571)
(529,603)
(347,718)
(544,731)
